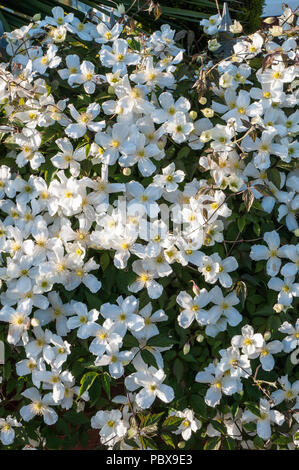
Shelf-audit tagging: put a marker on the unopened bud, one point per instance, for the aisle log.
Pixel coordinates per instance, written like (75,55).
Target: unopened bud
(34,322)
(193,115)
(181,444)
(121,9)
(36,17)
(236,27)
(278,308)
(213,45)
(203,100)
(160,144)
(111,90)
(195,288)
(200,338)
(186,348)
(296,232)
(127,171)
(269,20)
(267,335)
(208,112)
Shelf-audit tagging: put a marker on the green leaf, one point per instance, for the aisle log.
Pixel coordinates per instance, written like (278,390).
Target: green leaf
(254,409)
(213,443)
(241,222)
(167,438)
(161,341)
(274,176)
(86,382)
(62,427)
(258,442)
(184,152)
(178,369)
(151,419)
(134,44)
(106,381)
(76,418)
(219,427)
(235,409)
(148,358)
(172,423)
(104,261)
(229,444)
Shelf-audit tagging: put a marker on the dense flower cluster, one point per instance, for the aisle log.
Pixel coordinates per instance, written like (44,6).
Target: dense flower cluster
(95,132)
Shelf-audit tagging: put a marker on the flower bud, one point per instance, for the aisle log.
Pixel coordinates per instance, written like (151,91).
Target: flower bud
(208,112)
(193,115)
(34,322)
(181,444)
(269,20)
(213,45)
(267,335)
(127,171)
(121,9)
(195,288)
(278,308)
(296,232)
(186,348)
(111,90)
(236,27)
(161,144)
(36,17)
(200,338)
(203,100)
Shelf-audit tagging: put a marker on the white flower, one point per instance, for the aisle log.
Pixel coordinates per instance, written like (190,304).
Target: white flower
(68,158)
(82,320)
(118,56)
(219,384)
(106,34)
(39,406)
(110,424)
(291,341)
(210,25)
(86,76)
(85,121)
(287,289)
(115,359)
(249,341)
(193,308)
(149,329)
(179,128)
(266,357)
(170,178)
(145,279)
(50,59)
(170,108)
(272,254)
(188,425)
(224,306)
(7,433)
(263,422)
(288,392)
(151,380)
(124,315)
